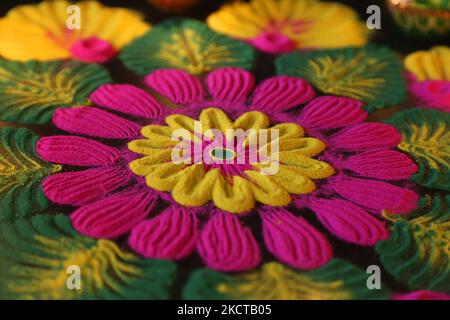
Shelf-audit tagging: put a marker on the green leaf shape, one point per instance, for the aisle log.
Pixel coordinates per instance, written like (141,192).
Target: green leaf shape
(372,74)
(417,252)
(35,255)
(31,91)
(186,44)
(338,280)
(21,173)
(426,137)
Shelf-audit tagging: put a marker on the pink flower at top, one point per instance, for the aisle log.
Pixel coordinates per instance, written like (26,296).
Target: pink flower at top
(332,163)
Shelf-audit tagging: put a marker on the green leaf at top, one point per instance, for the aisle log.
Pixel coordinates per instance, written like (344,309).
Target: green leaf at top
(417,252)
(188,45)
(426,137)
(21,173)
(38,255)
(338,280)
(371,74)
(31,91)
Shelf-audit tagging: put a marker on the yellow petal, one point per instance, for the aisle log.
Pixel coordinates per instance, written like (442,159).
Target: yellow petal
(237,20)
(148,164)
(165,176)
(144,146)
(307,146)
(179,121)
(347,29)
(293,181)
(266,190)
(236,197)
(142,168)
(119,26)
(252,120)
(23,42)
(430,65)
(159,136)
(49,16)
(247,126)
(288,130)
(145,165)
(195,187)
(312,168)
(283,131)
(214,118)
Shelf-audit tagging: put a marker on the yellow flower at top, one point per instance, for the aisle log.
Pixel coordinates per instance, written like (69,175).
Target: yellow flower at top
(277,26)
(50,30)
(430,65)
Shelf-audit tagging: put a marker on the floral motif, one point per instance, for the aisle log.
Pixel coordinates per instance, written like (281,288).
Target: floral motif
(31,91)
(233,185)
(186,44)
(426,137)
(48,31)
(338,280)
(113,201)
(429,78)
(21,173)
(372,74)
(38,254)
(417,251)
(282,26)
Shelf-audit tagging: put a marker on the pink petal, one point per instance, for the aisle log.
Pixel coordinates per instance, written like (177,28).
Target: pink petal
(226,245)
(281,93)
(330,112)
(366,136)
(375,195)
(422,295)
(94,122)
(83,187)
(177,85)
(114,216)
(230,84)
(293,240)
(76,151)
(382,164)
(171,235)
(349,222)
(127,99)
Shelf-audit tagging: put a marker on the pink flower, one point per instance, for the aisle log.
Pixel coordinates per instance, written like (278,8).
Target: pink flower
(367,174)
